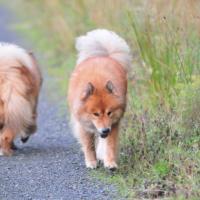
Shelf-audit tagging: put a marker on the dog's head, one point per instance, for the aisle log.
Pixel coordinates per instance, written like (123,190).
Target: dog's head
(103,108)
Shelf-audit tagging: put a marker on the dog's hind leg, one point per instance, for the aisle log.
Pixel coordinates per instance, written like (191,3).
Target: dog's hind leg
(6,141)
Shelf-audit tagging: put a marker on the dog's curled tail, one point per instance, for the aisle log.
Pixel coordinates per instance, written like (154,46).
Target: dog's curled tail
(102,42)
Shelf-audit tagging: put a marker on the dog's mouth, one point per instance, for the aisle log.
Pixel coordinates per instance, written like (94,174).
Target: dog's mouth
(103,135)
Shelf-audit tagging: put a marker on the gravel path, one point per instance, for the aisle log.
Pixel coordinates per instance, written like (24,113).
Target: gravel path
(50,165)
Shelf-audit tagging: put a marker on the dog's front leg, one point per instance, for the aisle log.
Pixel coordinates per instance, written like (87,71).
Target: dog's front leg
(111,147)
(87,141)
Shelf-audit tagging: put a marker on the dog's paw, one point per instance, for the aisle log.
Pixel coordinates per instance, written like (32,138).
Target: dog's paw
(1,152)
(112,165)
(91,164)
(6,152)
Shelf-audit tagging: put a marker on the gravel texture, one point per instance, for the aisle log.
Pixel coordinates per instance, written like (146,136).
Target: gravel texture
(50,165)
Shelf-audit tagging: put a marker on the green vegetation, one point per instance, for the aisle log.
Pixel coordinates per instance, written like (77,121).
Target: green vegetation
(160,134)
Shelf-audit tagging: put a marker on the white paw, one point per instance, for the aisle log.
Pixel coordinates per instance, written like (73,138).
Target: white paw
(6,153)
(110,165)
(91,164)
(1,152)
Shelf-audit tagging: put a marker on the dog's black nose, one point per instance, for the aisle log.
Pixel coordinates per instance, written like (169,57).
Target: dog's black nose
(24,139)
(104,132)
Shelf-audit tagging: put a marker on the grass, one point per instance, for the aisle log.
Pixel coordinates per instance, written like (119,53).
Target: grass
(160,133)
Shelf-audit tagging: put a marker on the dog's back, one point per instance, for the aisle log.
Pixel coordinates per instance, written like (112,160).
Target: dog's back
(20,82)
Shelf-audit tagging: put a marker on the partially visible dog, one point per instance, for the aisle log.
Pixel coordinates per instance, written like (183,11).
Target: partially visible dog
(97,95)
(20,82)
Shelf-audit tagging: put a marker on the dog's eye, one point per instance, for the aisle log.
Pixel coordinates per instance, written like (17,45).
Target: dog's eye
(109,113)
(96,114)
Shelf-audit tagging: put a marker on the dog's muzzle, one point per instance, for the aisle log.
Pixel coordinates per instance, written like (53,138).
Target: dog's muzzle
(105,132)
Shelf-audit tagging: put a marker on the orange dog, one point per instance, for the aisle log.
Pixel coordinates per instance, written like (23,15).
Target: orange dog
(20,81)
(97,95)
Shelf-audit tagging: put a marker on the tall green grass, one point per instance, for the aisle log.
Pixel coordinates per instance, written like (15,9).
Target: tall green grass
(160,137)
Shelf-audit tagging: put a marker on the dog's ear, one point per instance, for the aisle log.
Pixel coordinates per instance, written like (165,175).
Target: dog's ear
(37,70)
(31,54)
(89,90)
(110,87)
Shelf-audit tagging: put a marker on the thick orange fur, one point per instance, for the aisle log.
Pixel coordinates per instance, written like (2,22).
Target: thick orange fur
(97,94)
(19,90)
(108,103)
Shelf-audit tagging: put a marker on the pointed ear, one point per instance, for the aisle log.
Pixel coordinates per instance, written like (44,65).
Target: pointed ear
(36,69)
(31,54)
(110,87)
(89,90)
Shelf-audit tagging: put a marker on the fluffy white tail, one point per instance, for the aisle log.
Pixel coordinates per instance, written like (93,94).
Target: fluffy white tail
(101,42)
(12,51)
